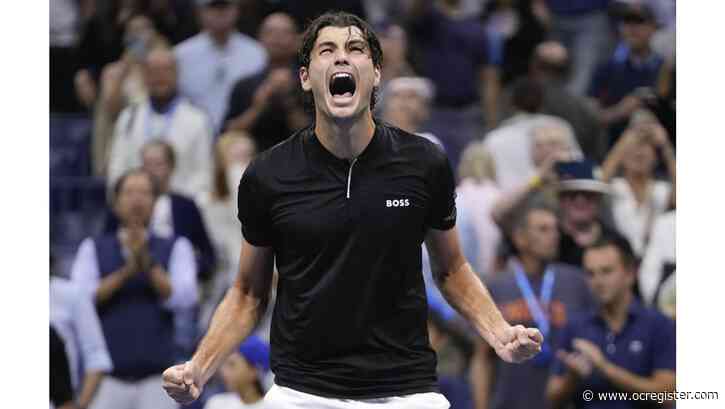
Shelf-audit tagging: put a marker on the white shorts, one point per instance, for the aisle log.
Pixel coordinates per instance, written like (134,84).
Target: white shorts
(280,397)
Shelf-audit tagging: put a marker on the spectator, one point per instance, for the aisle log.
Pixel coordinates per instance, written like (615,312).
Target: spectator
(167,116)
(406,105)
(516,27)
(625,83)
(138,281)
(227,56)
(394,42)
(233,152)
(74,317)
(456,58)
(243,374)
(638,198)
(583,27)
(268,104)
(454,350)
(621,347)
(122,84)
(61,391)
(475,193)
(175,214)
(581,202)
(549,65)
(101,42)
(510,143)
(66,23)
(534,291)
(175,19)
(659,262)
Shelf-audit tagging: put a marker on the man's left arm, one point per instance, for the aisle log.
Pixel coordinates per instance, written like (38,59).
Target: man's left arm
(465,292)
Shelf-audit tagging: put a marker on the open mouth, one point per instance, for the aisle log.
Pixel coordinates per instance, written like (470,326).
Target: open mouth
(342,84)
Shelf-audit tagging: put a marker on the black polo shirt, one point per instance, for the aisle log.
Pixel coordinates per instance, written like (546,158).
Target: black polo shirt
(350,319)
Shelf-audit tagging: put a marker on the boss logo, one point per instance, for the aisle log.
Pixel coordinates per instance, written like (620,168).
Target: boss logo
(397,203)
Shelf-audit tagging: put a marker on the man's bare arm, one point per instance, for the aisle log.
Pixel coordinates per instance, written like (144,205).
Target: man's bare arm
(233,320)
(465,292)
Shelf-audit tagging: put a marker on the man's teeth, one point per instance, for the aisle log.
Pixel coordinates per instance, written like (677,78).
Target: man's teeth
(341,74)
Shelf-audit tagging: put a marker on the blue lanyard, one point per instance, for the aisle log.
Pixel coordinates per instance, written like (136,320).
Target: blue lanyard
(536,308)
(168,116)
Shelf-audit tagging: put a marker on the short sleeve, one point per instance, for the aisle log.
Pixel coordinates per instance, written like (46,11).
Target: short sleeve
(253,212)
(664,344)
(442,215)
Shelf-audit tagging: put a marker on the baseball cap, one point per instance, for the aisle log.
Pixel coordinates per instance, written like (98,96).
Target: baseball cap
(256,352)
(578,176)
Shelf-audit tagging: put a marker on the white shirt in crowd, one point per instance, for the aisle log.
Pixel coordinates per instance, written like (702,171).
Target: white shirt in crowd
(182,273)
(74,317)
(635,220)
(510,144)
(660,250)
(231,400)
(479,199)
(184,127)
(208,73)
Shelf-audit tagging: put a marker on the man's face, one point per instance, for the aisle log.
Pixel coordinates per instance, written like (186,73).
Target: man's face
(156,162)
(341,74)
(637,33)
(608,278)
(135,200)
(406,107)
(549,142)
(580,206)
(160,73)
(279,37)
(219,18)
(540,236)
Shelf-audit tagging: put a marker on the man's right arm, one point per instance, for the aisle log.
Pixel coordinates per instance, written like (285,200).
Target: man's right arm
(234,320)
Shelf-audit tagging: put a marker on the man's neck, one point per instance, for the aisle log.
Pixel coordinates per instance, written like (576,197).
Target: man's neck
(615,313)
(533,267)
(249,394)
(345,139)
(221,38)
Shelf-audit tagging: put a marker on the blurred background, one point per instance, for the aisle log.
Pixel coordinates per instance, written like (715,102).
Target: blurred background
(558,118)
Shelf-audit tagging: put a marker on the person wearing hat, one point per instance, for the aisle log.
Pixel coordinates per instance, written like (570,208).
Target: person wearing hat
(243,375)
(624,83)
(211,62)
(581,198)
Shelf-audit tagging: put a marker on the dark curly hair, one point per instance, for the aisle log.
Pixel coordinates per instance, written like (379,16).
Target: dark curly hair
(338,19)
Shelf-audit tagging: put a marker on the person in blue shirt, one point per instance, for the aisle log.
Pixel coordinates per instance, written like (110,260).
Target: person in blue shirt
(621,347)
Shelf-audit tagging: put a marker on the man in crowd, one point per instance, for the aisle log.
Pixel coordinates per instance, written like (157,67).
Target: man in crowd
(549,65)
(625,83)
(406,104)
(341,208)
(268,104)
(165,116)
(510,143)
(621,347)
(534,291)
(138,281)
(457,60)
(211,62)
(581,202)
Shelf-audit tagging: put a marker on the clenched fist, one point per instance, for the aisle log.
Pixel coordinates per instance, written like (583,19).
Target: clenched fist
(183,382)
(516,344)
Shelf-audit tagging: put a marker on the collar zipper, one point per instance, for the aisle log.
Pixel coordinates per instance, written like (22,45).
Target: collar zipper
(349,176)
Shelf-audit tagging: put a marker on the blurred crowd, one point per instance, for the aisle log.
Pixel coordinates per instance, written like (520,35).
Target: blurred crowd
(557,116)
